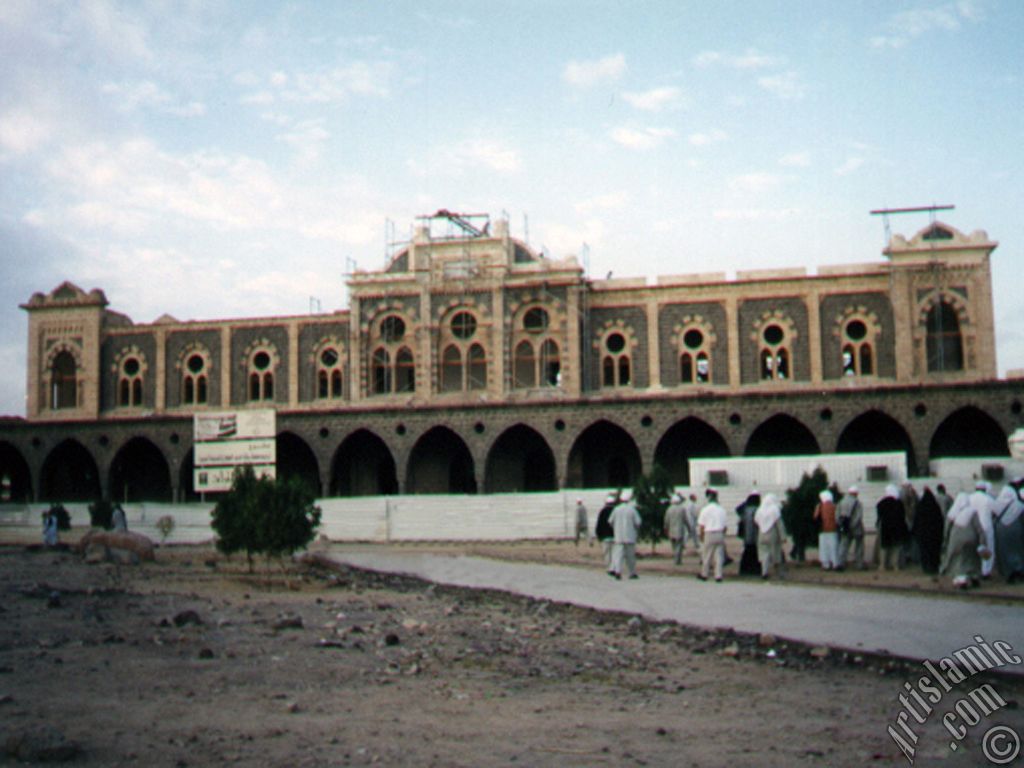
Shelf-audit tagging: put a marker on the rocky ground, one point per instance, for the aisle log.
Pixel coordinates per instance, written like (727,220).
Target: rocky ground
(191,661)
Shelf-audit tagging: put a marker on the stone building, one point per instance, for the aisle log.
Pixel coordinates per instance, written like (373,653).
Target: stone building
(471,363)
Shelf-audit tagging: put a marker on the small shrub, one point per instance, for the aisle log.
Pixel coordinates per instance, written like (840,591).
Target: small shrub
(652,495)
(165,525)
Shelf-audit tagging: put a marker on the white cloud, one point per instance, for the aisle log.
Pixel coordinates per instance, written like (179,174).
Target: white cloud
(148,94)
(488,154)
(704,139)
(755,214)
(608,201)
(360,78)
(796,160)
(655,99)
(588,73)
(786,85)
(641,138)
(750,59)
(307,138)
(114,28)
(905,26)
(22,131)
(755,182)
(850,165)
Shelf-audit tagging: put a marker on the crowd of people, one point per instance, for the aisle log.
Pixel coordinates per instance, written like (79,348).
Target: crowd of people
(967,538)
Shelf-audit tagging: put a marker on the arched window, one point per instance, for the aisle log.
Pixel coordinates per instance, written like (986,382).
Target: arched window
(774,353)
(943,341)
(525,366)
(392,364)
(616,362)
(193,379)
(130,383)
(261,376)
(451,369)
(477,378)
(329,373)
(858,353)
(550,364)
(64,381)
(694,359)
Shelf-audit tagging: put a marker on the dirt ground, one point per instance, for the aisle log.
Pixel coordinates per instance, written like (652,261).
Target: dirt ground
(191,661)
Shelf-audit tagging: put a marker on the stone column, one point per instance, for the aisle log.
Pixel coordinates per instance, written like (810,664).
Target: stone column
(227,366)
(160,371)
(293,364)
(653,347)
(732,320)
(814,335)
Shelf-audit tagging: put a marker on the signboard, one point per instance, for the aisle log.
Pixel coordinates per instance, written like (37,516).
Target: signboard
(228,440)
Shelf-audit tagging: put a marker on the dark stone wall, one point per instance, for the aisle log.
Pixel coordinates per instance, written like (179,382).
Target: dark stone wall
(832,308)
(750,313)
(241,338)
(177,343)
(112,346)
(671,315)
(633,317)
(309,339)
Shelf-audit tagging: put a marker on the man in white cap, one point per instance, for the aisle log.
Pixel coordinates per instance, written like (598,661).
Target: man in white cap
(711,529)
(676,526)
(850,514)
(828,538)
(625,522)
(983,503)
(581,524)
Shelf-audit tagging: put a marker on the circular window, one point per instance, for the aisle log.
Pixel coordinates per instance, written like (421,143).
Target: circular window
(464,325)
(920,410)
(773,334)
(479,427)
(856,330)
(393,328)
(693,338)
(735,419)
(196,363)
(536,320)
(329,357)
(324,432)
(646,421)
(400,429)
(174,438)
(131,366)
(559,425)
(825,414)
(261,361)
(616,342)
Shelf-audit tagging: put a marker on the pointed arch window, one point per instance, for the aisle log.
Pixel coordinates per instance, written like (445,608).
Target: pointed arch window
(329,376)
(477,373)
(943,340)
(774,356)
(392,364)
(129,384)
(616,361)
(525,365)
(194,379)
(64,381)
(694,359)
(451,369)
(261,376)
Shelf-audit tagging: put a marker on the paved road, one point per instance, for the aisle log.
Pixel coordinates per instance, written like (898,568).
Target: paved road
(917,627)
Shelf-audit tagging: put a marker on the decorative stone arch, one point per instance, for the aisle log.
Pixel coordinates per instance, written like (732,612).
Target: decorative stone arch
(519,459)
(390,363)
(440,462)
(968,431)
(69,473)
(858,331)
(962,341)
(363,464)
(782,435)
(693,339)
(260,373)
(774,347)
(295,459)
(603,454)
(140,471)
(616,342)
(688,438)
(130,384)
(876,431)
(15,475)
(59,392)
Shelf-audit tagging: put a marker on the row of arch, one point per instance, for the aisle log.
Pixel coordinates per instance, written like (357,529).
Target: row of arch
(520,459)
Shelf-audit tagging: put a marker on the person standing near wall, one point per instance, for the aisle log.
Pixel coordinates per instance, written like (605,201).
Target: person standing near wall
(711,529)
(828,537)
(676,527)
(604,532)
(581,524)
(625,521)
(850,519)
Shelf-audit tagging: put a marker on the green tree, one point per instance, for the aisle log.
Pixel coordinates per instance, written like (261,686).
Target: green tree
(652,494)
(798,510)
(260,515)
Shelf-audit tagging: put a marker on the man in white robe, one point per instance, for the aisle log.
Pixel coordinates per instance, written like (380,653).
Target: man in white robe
(982,503)
(625,521)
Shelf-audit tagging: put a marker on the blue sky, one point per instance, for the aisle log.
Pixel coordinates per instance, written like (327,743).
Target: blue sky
(215,159)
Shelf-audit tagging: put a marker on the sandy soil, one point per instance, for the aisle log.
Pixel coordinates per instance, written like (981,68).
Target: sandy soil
(349,668)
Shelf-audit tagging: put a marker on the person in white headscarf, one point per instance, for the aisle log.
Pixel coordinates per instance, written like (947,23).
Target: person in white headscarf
(850,519)
(892,528)
(966,544)
(828,536)
(676,526)
(982,502)
(771,536)
(1008,523)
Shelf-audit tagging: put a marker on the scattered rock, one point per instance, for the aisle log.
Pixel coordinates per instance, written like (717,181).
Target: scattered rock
(186,617)
(127,541)
(732,650)
(391,639)
(820,652)
(41,744)
(288,622)
(766,639)
(206,653)
(635,625)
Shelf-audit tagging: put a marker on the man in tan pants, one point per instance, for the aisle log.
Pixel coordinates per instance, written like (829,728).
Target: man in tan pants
(711,529)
